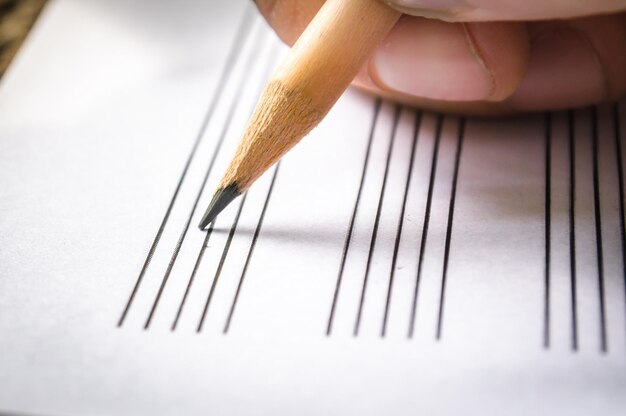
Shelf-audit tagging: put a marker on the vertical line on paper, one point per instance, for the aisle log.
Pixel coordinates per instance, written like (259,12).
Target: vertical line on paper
(396,248)
(381,198)
(196,266)
(242,32)
(257,231)
(424,238)
(620,179)
(446,254)
(572,226)
(231,111)
(205,244)
(348,238)
(547,229)
(598,224)
(220,266)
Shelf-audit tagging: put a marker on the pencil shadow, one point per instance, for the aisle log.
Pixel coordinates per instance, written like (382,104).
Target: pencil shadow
(292,235)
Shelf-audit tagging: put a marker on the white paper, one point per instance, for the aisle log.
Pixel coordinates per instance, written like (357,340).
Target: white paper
(115,109)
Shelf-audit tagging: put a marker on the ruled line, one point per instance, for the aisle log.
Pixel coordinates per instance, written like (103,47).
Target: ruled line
(422,247)
(196,266)
(620,178)
(396,248)
(381,198)
(248,65)
(242,31)
(598,224)
(257,231)
(446,255)
(572,226)
(271,60)
(348,238)
(220,266)
(547,228)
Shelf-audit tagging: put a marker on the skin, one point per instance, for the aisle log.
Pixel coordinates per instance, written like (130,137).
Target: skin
(488,56)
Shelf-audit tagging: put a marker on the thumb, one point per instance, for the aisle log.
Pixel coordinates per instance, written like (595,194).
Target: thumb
(489,10)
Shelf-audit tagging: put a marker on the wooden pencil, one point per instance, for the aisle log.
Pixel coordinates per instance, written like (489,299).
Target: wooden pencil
(304,87)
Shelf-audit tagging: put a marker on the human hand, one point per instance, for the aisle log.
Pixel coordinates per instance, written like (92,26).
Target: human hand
(488,56)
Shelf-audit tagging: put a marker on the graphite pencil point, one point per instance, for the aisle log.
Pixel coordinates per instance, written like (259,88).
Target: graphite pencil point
(303,89)
(222,198)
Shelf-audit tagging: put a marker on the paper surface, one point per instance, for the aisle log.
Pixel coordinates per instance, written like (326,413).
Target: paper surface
(396,261)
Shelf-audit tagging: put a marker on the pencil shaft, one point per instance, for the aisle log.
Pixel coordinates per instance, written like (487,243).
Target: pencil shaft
(320,66)
(308,82)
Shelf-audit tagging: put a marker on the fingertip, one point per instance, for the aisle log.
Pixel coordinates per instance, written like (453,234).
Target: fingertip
(289,18)
(574,63)
(504,51)
(451,61)
(607,36)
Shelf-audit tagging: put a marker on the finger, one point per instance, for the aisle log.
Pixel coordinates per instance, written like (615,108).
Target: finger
(490,10)
(428,58)
(289,17)
(574,63)
(451,61)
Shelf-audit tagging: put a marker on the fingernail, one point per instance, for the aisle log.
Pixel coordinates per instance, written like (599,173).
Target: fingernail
(442,9)
(564,70)
(429,59)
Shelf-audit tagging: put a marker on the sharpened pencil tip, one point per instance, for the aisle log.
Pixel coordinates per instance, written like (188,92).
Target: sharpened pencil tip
(221,199)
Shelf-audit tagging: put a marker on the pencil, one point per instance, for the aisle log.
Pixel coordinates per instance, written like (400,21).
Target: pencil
(302,90)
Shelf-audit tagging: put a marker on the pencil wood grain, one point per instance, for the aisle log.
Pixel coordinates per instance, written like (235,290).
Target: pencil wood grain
(306,85)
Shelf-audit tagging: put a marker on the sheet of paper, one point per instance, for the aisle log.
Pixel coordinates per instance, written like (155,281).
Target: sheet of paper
(395,262)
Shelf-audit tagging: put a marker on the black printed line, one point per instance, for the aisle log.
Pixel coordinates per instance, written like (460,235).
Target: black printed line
(348,239)
(220,266)
(205,244)
(620,178)
(396,247)
(231,112)
(598,223)
(381,198)
(242,32)
(422,247)
(446,254)
(196,266)
(547,227)
(572,226)
(257,231)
